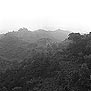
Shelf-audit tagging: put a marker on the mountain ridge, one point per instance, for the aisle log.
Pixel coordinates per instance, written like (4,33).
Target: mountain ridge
(32,36)
(18,44)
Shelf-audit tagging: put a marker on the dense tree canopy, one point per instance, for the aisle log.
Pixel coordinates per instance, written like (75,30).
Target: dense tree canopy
(52,68)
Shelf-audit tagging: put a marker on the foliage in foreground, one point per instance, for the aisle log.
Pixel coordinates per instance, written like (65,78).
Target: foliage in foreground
(53,68)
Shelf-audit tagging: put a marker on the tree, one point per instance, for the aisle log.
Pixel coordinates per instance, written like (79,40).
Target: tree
(74,36)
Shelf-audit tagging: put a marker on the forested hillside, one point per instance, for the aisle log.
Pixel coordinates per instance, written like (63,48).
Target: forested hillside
(47,65)
(32,36)
(17,45)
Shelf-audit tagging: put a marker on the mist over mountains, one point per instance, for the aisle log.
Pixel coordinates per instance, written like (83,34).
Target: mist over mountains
(45,61)
(32,36)
(16,44)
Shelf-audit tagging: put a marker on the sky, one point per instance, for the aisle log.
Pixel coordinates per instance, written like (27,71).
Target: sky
(72,15)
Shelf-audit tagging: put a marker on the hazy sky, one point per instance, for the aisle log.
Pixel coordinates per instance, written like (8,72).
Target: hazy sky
(73,15)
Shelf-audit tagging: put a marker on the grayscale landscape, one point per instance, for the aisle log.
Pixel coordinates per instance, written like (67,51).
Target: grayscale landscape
(45,45)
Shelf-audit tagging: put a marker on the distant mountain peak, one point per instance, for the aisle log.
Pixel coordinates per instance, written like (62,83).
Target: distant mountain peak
(23,29)
(32,36)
